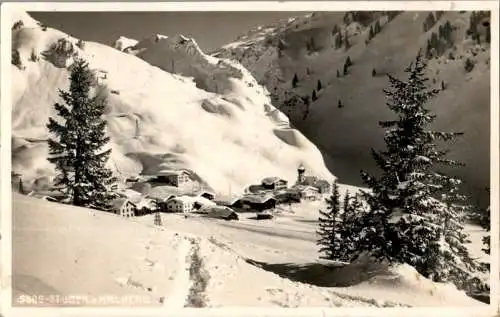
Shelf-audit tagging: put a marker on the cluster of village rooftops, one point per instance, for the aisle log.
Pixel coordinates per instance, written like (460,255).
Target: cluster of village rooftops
(176,191)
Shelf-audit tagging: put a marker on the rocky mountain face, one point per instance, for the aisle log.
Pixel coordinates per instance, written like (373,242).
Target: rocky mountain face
(327,72)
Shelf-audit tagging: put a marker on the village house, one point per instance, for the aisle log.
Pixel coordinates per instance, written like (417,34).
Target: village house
(288,196)
(323,186)
(306,192)
(206,194)
(145,206)
(256,202)
(178,204)
(132,179)
(123,207)
(163,203)
(174,178)
(220,212)
(255,189)
(17,182)
(274,183)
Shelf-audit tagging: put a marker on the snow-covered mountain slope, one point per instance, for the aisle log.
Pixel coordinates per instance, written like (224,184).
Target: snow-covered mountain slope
(306,46)
(196,262)
(219,124)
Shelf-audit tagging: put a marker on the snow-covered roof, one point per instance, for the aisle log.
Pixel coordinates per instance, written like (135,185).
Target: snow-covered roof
(322,182)
(301,188)
(171,173)
(165,192)
(257,199)
(145,203)
(193,199)
(218,211)
(117,203)
(132,195)
(271,180)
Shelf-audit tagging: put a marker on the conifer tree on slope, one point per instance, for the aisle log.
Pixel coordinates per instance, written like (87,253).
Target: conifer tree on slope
(351,227)
(407,218)
(329,236)
(455,251)
(75,147)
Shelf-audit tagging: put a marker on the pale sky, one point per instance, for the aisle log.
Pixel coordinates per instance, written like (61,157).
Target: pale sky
(210,29)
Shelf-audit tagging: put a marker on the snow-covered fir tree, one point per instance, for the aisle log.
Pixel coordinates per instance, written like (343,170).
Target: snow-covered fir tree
(351,227)
(414,216)
(77,141)
(482,217)
(487,225)
(455,263)
(339,227)
(330,240)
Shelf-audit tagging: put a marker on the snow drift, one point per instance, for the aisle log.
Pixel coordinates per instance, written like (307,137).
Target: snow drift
(213,119)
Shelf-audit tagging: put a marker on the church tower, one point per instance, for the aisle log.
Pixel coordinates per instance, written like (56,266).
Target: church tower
(301,174)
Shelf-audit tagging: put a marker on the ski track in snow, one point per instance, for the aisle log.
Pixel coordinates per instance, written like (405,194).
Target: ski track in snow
(198,275)
(190,279)
(181,278)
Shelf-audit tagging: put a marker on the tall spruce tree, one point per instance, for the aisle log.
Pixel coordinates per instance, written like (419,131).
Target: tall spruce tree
(413,217)
(335,29)
(330,242)
(371,33)
(351,227)
(377,28)
(75,147)
(295,80)
(339,40)
(348,61)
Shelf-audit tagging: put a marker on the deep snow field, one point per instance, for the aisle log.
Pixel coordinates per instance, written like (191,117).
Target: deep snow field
(202,262)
